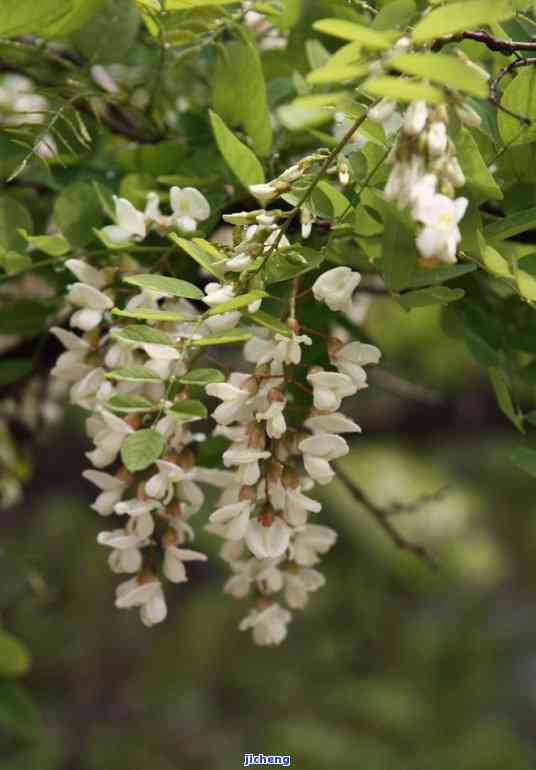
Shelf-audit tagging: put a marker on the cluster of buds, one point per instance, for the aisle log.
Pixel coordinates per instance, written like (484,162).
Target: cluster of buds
(424,179)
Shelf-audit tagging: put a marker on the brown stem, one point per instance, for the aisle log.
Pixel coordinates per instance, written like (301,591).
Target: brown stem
(382,517)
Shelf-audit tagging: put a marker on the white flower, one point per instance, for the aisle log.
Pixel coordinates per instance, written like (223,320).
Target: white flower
(351,359)
(174,559)
(309,542)
(329,388)
(437,139)
(108,439)
(230,521)
(155,609)
(232,395)
(298,506)
(217,293)
(382,111)
(189,207)
(146,594)
(91,389)
(288,350)
(415,118)
(269,625)
(223,322)
(86,273)
(152,211)
(275,419)
(71,366)
(440,236)
(299,584)
(318,451)
(332,423)
(248,461)
(93,303)
(130,223)
(112,490)
(268,541)
(126,555)
(161,484)
(336,286)
(263,192)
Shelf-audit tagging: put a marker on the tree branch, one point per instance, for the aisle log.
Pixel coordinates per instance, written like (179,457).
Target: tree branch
(382,515)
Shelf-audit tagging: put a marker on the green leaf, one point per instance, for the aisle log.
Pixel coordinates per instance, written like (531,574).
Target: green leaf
(525,459)
(479,180)
(457,17)
(343,65)
(14,657)
(13,369)
(134,374)
(269,322)
(237,303)
(346,30)
(188,410)
(443,69)
(396,15)
(141,448)
(23,18)
(403,90)
(53,245)
(204,253)
(13,262)
(240,159)
(436,295)
(109,35)
(223,338)
(501,386)
(19,717)
(130,403)
(284,264)
(512,225)
(310,111)
(253,99)
(164,284)
(399,253)
(519,97)
(187,5)
(13,217)
(202,377)
(436,275)
(24,318)
(140,333)
(147,314)
(77,212)
(81,11)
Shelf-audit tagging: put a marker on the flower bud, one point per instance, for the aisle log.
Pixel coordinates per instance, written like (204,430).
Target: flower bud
(134,420)
(248,494)
(169,537)
(266,517)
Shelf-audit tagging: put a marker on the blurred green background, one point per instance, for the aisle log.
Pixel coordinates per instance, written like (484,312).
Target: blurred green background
(390,667)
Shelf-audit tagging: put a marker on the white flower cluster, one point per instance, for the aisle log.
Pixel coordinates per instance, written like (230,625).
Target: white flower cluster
(20,105)
(188,206)
(270,544)
(157,505)
(424,178)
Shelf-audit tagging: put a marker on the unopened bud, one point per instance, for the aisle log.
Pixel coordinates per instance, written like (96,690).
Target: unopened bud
(293,325)
(134,420)
(334,346)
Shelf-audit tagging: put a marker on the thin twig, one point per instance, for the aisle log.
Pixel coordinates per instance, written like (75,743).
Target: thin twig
(404,389)
(382,517)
